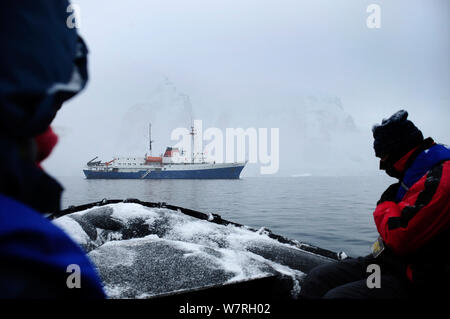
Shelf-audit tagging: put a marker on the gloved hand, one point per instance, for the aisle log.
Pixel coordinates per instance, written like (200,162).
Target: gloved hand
(389,194)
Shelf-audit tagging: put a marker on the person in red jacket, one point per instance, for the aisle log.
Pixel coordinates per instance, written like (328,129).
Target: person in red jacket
(412,218)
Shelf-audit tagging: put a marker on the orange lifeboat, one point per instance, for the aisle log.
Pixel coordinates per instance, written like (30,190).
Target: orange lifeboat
(153,159)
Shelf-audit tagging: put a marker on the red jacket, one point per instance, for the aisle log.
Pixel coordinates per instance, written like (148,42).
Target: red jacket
(416,227)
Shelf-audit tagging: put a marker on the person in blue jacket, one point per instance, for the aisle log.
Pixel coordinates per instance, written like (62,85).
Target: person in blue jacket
(43,63)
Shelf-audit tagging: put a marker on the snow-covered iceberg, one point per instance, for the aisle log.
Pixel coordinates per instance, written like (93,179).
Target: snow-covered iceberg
(142,252)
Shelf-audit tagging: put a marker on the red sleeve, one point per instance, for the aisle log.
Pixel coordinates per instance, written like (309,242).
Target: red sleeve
(423,213)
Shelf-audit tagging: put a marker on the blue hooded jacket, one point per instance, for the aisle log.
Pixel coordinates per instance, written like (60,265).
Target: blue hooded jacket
(43,63)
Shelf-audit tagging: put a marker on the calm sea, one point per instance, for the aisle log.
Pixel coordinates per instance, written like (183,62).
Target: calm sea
(330,212)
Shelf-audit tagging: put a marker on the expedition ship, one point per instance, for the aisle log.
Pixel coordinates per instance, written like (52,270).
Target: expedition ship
(172,165)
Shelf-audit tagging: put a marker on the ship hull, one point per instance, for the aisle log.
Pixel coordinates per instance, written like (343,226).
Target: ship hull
(231,172)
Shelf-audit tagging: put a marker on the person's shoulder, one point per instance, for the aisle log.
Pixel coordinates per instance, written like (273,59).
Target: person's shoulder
(439,156)
(33,249)
(18,217)
(24,230)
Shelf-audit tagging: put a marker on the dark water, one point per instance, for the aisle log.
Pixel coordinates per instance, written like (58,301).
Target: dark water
(331,212)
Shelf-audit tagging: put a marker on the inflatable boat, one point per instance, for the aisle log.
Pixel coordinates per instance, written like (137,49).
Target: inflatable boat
(157,251)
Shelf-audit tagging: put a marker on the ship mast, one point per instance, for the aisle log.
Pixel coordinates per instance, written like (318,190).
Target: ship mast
(150,137)
(192,133)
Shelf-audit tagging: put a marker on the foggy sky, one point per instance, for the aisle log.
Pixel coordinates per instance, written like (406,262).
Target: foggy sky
(241,60)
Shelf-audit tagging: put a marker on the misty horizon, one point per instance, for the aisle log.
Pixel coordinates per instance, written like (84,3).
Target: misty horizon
(313,70)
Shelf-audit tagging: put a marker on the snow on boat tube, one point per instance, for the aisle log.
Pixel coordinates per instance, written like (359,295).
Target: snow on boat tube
(148,250)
